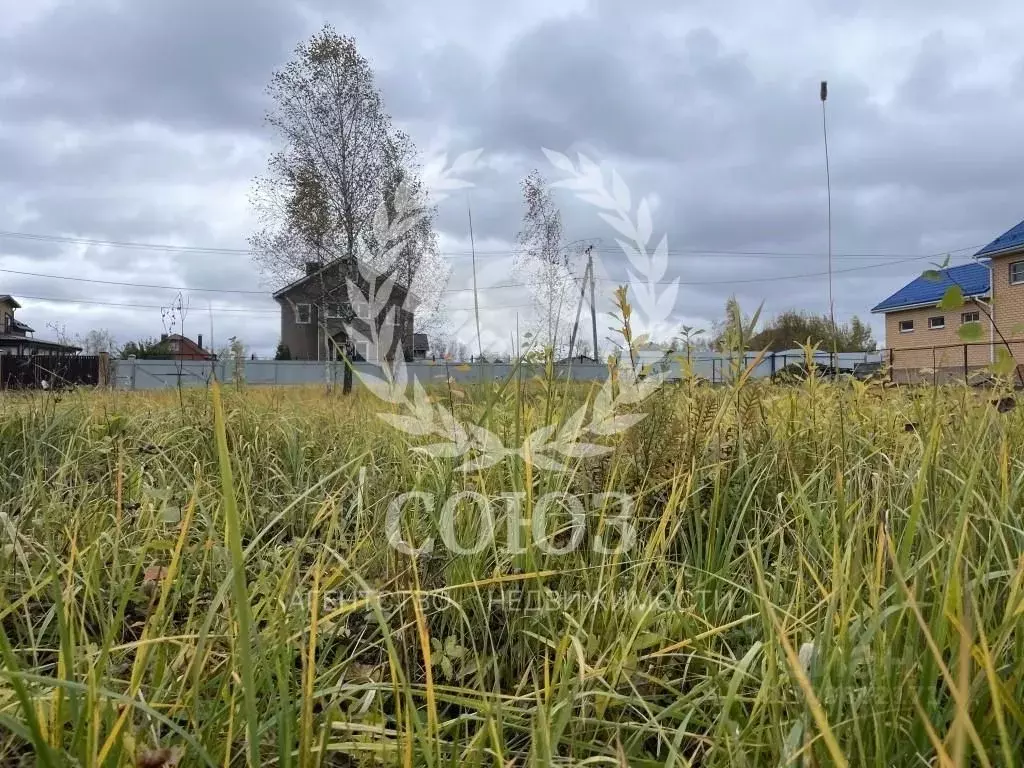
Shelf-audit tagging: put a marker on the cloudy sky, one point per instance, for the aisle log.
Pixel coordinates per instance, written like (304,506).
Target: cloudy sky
(142,123)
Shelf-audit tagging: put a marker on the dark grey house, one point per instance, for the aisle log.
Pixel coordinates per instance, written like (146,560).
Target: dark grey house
(420,346)
(16,337)
(316,307)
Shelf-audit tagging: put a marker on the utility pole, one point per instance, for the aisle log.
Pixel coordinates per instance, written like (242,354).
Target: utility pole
(476,300)
(579,306)
(593,304)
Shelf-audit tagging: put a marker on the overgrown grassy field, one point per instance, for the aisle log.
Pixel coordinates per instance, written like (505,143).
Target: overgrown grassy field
(809,575)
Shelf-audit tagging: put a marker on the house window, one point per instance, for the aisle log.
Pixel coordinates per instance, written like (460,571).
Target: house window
(333,311)
(970,317)
(937,322)
(302,314)
(906,326)
(1017,272)
(362,310)
(363,350)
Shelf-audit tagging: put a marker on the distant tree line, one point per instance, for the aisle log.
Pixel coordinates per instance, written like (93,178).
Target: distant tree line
(792,329)
(147,349)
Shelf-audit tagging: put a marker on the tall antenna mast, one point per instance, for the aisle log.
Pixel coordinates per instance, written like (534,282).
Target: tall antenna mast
(828,190)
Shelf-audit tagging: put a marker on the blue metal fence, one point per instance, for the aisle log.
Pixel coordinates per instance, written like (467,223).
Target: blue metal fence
(715,368)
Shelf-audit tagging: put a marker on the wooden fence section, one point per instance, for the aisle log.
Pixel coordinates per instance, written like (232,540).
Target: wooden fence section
(51,371)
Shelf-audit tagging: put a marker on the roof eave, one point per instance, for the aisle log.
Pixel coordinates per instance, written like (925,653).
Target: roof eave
(880,309)
(1010,251)
(279,294)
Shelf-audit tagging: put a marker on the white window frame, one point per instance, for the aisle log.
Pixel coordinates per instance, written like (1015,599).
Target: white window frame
(363,350)
(1020,277)
(362,310)
(906,330)
(333,311)
(975,317)
(936,326)
(298,314)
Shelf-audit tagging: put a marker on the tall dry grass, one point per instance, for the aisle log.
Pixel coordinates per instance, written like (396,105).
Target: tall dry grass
(821,575)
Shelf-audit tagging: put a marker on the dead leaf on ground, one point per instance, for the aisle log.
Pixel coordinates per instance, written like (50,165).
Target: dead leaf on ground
(154,574)
(359,672)
(163,757)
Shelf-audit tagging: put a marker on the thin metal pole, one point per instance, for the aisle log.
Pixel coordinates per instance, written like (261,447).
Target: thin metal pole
(476,299)
(593,305)
(828,191)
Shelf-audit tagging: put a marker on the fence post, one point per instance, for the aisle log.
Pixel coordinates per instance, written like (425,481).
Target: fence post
(935,371)
(104,373)
(965,363)
(133,360)
(773,366)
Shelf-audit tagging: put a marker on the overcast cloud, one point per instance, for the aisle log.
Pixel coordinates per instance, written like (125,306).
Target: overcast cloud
(142,122)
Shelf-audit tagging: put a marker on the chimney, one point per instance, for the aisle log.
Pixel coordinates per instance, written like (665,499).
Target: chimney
(312,267)
(199,341)
(163,337)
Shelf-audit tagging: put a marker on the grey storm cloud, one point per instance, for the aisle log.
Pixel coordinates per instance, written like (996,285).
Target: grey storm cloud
(183,64)
(143,122)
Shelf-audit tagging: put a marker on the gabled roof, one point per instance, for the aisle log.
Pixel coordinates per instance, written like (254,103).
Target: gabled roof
(310,275)
(15,323)
(1011,240)
(6,298)
(922,292)
(191,347)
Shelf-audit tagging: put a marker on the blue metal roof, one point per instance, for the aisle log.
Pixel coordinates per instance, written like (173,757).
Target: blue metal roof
(1008,241)
(972,278)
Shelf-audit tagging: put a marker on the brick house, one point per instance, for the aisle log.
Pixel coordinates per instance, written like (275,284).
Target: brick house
(183,348)
(924,341)
(315,308)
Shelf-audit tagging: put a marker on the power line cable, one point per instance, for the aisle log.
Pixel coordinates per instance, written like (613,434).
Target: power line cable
(607,249)
(65,300)
(200,308)
(775,278)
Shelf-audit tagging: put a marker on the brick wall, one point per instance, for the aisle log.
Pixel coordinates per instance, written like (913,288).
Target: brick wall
(1008,300)
(927,349)
(948,347)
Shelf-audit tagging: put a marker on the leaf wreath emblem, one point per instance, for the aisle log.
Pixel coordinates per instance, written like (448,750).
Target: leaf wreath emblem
(587,181)
(482,448)
(547,447)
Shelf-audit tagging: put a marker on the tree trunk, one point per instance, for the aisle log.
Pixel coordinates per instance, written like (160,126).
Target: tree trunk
(346,386)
